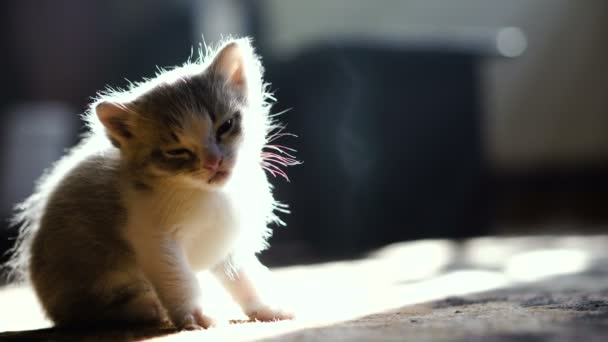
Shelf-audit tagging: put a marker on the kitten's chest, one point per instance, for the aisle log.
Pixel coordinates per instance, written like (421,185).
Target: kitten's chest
(207,229)
(205,224)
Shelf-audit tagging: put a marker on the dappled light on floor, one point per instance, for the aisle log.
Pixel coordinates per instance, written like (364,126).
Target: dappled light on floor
(393,277)
(540,264)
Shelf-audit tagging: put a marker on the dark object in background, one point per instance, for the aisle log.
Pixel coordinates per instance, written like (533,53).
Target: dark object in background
(553,197)
(391,142)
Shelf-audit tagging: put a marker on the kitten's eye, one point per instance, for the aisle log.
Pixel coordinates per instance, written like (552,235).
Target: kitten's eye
(179,153)
(225,127)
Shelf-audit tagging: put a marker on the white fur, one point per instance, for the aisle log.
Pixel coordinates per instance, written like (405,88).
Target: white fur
(183,230)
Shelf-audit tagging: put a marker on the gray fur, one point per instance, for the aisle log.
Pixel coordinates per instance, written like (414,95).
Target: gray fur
(74,243)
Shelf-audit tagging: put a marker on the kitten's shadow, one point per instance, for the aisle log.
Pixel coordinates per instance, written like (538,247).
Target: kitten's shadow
(86,334)
(95,333)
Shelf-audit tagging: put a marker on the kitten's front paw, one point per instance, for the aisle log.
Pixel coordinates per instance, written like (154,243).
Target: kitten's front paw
(266,313)
(196,320)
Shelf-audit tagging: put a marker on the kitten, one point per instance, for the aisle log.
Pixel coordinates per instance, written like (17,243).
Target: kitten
(169,181)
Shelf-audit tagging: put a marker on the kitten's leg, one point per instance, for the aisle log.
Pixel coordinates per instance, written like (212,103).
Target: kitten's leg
(79,279)
(115,304)
(249,288)
(136,302)
(164,263)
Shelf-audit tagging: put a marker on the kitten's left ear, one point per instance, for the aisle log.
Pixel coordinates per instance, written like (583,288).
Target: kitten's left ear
(230,64)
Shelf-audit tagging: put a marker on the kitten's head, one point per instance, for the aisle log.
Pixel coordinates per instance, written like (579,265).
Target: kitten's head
(191,124)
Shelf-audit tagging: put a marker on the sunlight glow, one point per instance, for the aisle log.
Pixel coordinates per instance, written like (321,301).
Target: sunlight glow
(19,310)
(540,264)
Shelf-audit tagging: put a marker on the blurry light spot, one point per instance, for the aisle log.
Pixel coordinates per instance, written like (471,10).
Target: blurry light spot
(541,264)
(418,259)
(511,42)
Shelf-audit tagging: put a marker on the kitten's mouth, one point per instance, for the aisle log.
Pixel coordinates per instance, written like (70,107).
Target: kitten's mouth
(218,177)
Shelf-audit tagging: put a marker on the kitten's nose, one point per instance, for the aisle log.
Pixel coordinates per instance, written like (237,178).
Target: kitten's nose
(212,162)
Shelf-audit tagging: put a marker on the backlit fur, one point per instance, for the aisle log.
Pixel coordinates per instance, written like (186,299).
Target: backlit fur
(116,229)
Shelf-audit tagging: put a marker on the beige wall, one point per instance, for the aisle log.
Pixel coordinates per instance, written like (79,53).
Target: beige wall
(549,105)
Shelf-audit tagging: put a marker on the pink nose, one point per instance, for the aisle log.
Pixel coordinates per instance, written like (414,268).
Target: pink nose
(212,163)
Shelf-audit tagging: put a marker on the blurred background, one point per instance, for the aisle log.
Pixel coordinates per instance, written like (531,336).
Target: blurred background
(416,118)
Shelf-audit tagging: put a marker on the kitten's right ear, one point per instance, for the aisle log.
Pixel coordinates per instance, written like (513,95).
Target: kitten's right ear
(230,63)
(117,119)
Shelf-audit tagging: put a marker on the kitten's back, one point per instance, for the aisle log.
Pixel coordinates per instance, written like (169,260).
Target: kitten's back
(29,213)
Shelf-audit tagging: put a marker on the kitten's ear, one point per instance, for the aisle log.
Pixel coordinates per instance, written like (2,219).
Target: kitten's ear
(229,62)
(117,119)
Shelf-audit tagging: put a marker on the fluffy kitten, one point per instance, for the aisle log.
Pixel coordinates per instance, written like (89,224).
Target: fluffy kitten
(169,181)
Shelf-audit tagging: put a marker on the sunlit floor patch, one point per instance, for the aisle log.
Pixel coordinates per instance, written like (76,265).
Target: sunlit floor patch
(396,276)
